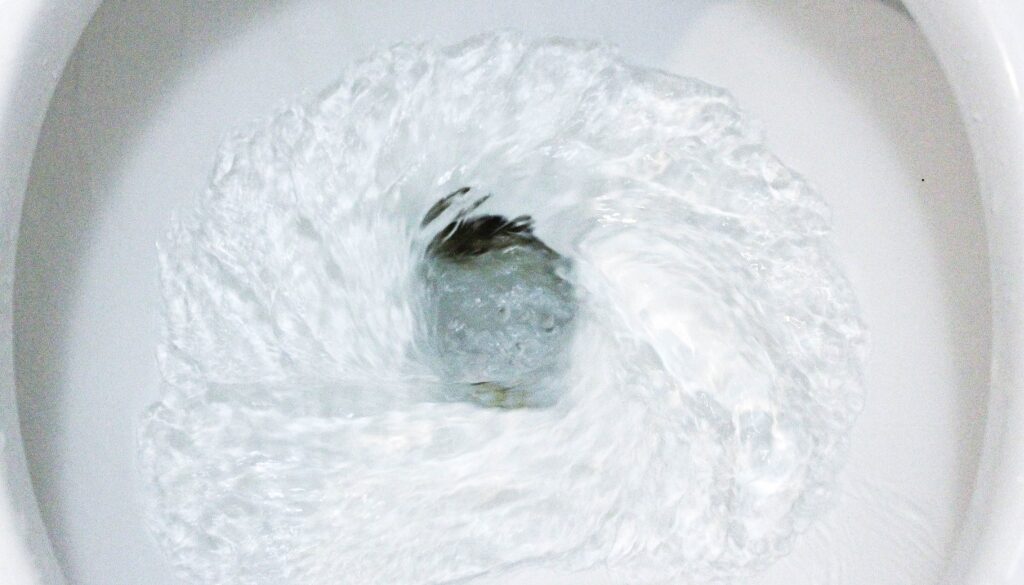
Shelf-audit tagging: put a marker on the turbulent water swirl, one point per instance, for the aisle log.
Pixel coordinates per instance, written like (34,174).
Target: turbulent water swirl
(306,433)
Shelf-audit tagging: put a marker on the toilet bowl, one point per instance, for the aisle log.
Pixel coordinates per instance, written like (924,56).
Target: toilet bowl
(908,118)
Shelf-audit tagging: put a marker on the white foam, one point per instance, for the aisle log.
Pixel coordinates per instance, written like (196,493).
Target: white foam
(715,368)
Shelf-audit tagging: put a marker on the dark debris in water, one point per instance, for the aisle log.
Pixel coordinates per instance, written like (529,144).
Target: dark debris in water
(466,237)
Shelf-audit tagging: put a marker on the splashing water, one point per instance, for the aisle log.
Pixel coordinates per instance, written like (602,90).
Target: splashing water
(696,350)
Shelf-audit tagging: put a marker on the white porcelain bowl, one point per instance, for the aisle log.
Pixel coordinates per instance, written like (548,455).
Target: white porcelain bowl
(910,121)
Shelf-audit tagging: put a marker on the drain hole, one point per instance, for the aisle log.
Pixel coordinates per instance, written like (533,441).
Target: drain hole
(498,308)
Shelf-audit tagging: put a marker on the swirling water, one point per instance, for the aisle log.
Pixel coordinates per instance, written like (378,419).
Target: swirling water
(712,354)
